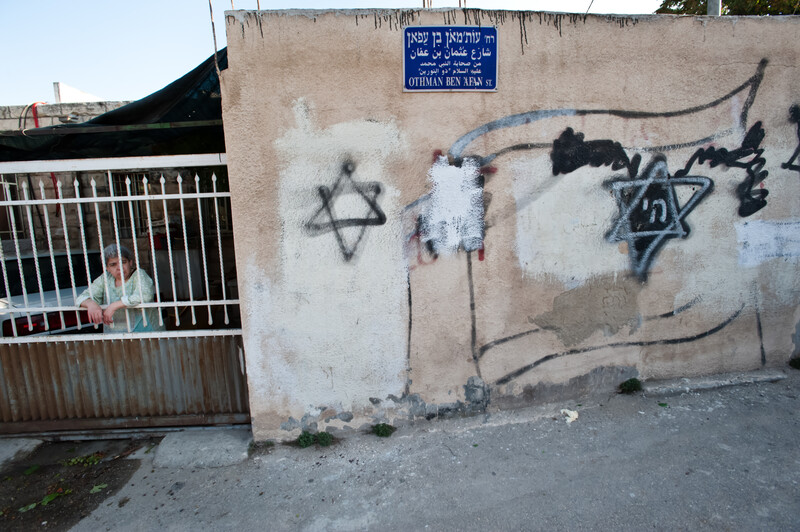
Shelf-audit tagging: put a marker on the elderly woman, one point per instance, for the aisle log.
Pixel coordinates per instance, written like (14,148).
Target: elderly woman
(107,290)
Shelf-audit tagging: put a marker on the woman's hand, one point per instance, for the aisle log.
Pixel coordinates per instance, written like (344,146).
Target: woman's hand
(94,311)
(108,313)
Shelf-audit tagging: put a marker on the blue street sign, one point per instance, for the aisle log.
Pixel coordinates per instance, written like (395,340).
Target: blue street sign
(449,58)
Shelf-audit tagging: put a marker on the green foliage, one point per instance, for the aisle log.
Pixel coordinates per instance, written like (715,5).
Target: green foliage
(31,470)
(630,386)
(50,497)
(98,488)
(732,7)
(324,439)
(383,430)
(47,499)
(306,439)
(85,461)
(795,362)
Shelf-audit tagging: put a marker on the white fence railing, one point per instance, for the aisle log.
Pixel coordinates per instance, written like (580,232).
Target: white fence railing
(44,262)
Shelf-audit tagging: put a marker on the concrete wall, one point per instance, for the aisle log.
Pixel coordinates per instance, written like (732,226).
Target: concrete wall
(52,114)
(624,204)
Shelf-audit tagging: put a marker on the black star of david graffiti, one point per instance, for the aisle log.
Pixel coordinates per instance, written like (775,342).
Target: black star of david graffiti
(325,220)
(649,212)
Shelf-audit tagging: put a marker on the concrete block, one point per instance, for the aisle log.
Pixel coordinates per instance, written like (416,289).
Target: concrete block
(203,448)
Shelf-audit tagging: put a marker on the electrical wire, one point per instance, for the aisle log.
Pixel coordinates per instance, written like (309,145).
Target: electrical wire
(214,34)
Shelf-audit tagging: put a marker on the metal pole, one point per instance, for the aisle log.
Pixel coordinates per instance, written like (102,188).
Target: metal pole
(714,8)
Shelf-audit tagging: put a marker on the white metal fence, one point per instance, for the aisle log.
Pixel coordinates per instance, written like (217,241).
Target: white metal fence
(53,233)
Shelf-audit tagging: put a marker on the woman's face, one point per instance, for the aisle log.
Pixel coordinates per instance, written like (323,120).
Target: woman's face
(119,267)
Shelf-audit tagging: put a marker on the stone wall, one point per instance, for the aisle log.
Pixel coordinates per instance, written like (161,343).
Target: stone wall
(53,114)
(625,203)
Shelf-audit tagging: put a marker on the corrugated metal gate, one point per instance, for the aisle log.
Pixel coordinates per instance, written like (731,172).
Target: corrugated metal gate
(178,377)
(102,384)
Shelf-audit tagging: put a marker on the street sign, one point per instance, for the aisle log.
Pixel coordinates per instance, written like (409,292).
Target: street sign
(449,58)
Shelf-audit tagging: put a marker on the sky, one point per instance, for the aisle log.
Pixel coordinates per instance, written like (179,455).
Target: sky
(125,50)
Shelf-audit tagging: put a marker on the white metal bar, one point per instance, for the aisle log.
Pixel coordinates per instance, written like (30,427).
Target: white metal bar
(114,163)
(52,257)
(67,247)
(108,337)
(116,240)
(146,184)
(100,241)
(202,243)
(187,195)
(135,242)
(35,252)
(219,247)
(169,251)
(7,191)
(165,304)
(186,246)
(85,250)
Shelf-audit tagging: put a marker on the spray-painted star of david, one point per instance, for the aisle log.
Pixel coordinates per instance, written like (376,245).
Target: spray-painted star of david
(649,212)
(324,219)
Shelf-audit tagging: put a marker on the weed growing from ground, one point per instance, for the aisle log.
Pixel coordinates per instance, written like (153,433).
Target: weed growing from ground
(630,386)
(85,461)
(324,439)
(383,430)
(261,447)
(306,439)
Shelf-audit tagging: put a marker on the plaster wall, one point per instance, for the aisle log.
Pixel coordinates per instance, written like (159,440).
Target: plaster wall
(625,203)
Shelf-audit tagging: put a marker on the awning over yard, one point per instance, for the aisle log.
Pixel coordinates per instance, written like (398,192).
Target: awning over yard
(182,118)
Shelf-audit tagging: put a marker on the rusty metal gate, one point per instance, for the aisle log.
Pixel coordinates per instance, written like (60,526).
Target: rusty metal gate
(102,384)
(56,372)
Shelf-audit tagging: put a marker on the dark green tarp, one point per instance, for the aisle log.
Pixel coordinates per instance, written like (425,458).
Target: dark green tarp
(194,97)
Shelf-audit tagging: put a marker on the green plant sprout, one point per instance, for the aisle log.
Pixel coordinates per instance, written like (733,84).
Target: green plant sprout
(630,386)
(383,430)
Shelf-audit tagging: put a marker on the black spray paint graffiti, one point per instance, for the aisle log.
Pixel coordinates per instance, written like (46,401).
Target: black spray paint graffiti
(325,218)
(667,341)
(794,117)
(750,201)
(571,152)
(646,232)
(649,212)
(500,341)
(417,252)
(749,87)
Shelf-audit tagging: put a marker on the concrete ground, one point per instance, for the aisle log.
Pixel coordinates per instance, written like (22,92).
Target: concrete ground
(718,459)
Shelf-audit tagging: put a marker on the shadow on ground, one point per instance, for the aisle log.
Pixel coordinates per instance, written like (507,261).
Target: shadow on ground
(62,482)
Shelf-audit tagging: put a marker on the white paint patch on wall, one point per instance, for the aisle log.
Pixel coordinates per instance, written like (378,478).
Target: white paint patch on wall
(562,221)
(704,265)
(763,240)
(453,217)
(267,376)
(337,325)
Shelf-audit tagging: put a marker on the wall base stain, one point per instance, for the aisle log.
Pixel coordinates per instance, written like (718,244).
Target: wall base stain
(393,409)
